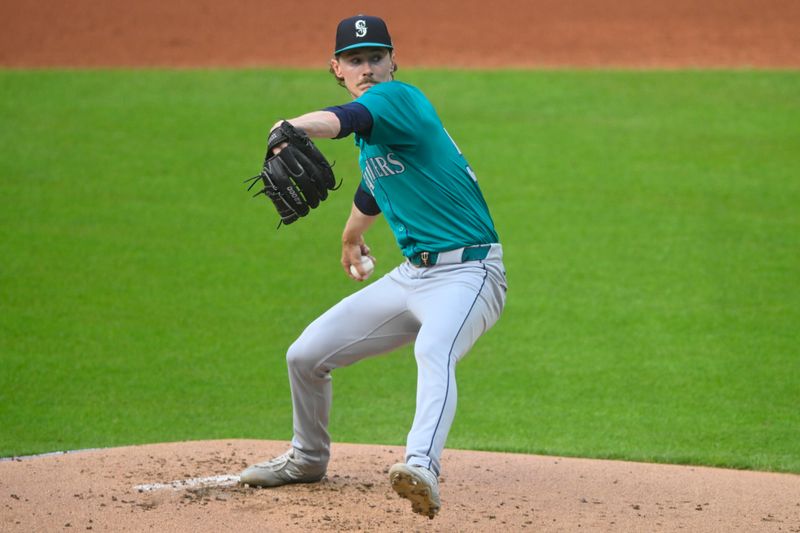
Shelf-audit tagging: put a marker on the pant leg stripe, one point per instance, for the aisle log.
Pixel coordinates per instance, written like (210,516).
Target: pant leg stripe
(449,362)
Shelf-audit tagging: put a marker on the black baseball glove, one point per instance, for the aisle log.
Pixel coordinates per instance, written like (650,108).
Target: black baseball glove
(298,178)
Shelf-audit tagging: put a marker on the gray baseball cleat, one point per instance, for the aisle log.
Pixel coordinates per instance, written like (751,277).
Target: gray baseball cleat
(419,485)
(282,470)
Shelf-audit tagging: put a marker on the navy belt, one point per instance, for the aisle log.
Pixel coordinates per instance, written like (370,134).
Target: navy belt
(459,255)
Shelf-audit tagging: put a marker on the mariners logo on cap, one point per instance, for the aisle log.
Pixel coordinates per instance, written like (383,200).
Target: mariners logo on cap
(352,33)
(361,28)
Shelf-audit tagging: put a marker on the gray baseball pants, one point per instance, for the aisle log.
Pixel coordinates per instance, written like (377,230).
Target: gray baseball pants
(442,309)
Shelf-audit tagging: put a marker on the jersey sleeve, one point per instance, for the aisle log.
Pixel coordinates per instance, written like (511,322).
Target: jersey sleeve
(353,118)
(365,202)
(396,116)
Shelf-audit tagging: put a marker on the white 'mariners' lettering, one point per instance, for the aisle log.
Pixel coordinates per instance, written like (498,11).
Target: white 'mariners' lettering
(384,167)
(396,162)
(379,167)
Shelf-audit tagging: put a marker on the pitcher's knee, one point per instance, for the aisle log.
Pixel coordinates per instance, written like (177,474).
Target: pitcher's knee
(431,350)
(299,358)
(304,357)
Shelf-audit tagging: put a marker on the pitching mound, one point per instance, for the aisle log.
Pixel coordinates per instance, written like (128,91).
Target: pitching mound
(192,485)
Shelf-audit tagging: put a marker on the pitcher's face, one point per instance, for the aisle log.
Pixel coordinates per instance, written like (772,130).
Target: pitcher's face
(363,67)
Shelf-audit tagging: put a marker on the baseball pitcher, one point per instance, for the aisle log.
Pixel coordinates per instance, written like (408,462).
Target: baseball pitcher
(448,291)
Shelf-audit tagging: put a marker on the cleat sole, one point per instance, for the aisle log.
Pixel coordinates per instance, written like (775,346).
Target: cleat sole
(406,486)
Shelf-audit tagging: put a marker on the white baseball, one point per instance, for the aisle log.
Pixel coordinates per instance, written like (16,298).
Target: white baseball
(366,264)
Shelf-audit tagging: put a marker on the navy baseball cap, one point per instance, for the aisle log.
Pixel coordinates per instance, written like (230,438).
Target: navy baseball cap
(362,31)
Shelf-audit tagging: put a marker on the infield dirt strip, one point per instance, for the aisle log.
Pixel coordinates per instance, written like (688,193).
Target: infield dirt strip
(454,33)
(191,486)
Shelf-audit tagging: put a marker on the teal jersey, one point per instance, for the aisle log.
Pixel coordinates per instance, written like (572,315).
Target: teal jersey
(418,176)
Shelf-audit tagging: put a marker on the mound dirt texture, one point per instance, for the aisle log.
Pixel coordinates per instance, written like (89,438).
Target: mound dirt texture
(130,489)
(191,486)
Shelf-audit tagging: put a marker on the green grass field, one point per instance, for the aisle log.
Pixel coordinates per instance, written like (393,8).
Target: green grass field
(651,224)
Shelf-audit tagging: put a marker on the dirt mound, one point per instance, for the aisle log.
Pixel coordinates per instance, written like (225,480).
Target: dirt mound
(464,33)
(187,486)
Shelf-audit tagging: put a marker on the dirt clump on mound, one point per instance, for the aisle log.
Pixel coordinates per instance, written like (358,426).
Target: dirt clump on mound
(190,486)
